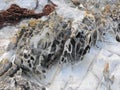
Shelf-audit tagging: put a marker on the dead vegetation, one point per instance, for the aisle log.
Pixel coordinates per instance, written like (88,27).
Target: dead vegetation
(15,14)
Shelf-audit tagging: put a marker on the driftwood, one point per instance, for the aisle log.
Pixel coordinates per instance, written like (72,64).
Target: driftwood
(15,14)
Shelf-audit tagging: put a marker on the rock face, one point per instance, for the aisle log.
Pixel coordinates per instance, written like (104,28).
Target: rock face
(43,44)
(47,43)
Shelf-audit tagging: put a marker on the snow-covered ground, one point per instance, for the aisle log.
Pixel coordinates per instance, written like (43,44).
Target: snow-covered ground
(100,68)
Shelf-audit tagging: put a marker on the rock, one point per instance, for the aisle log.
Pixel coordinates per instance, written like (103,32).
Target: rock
(5,64)
(3,45)
(18,83)
(76,2)
(13,70)
(118,38)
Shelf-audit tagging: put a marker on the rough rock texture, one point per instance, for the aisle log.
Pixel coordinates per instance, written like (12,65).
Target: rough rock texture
(66,52)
